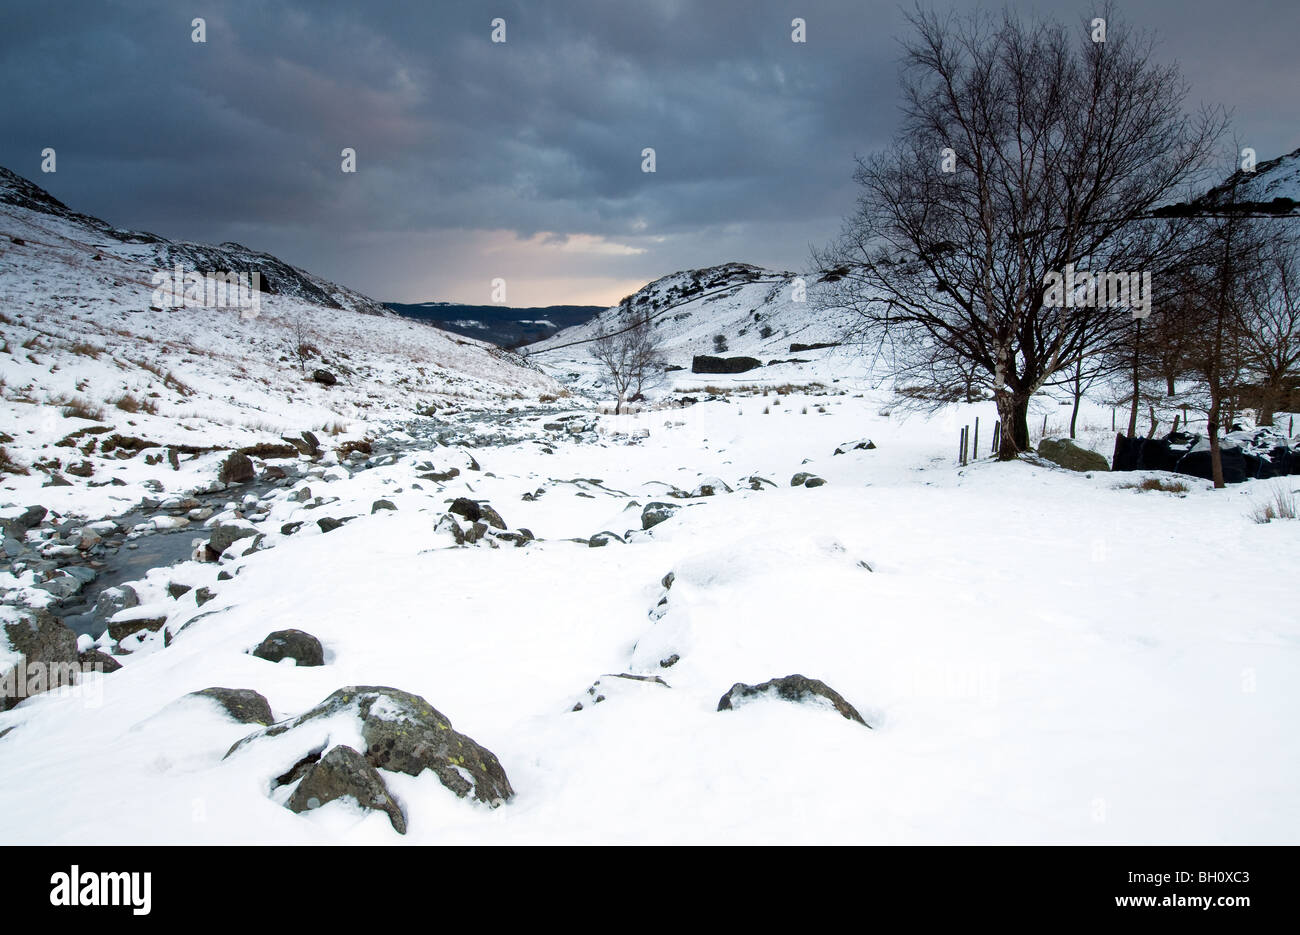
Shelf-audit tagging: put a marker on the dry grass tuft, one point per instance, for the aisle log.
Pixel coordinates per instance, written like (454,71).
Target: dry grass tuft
(1280,505)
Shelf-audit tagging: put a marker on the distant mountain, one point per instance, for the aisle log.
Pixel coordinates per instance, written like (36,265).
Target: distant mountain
(278,277)
(499,324)
(730,310)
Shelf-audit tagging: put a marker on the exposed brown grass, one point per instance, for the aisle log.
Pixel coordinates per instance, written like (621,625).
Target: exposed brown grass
(149,367)
(172,382)
(8,465)
(361,444)
(75,408)
(86,349)
(1156,483)
(128,403)
(1280,505)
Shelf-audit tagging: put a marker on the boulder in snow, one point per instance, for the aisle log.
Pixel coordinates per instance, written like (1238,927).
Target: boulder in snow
(402,733)
(243,704)
(796,688)
(301,647)
(343,772)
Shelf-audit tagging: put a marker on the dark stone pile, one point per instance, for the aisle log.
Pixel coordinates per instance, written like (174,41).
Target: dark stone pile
(1246,455)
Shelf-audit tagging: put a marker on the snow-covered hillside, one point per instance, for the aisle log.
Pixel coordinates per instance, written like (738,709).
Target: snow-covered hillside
(83,344)
(756,312)
(1271,185)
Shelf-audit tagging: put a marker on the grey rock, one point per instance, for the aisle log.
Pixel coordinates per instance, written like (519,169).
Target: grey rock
(243,704)
(121,629)
(404,733)
(796,688)
(862,444)
(343,772)
(297,645)
(1066,454)
(92,660)
(61,585)
(236,469)
(656,513)
(111,600)
(32,517)
(382,505)
(225,535)
(41,639)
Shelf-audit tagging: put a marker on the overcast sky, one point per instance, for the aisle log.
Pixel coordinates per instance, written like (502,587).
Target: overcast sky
(519,160)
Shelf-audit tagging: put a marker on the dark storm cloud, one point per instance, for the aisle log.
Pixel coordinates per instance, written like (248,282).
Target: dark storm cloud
(521,160)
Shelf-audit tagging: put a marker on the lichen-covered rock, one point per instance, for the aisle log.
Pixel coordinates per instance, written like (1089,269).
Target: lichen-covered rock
(243,704)
(402,733)
(48,655)
(796,688)
(340,773)
(1065,453)
(297,645)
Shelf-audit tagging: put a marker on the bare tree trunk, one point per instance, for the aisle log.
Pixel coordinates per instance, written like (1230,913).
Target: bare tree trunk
(1212,427)
(1078,394)
(1013,413)
(1269,394)
(1137,384)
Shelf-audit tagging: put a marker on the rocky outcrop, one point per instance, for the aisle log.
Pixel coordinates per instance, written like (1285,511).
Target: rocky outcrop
(48,656)
(402,733)
(704,363)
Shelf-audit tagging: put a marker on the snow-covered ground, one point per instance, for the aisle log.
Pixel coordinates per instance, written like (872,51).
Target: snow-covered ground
(1042,656)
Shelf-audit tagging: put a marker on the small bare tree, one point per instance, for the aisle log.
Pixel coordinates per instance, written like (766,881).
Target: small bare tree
(631,354)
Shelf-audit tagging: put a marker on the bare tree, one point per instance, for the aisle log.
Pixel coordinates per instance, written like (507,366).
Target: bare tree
(631,353)
(1270,326)
(303,348)
(1060,147)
